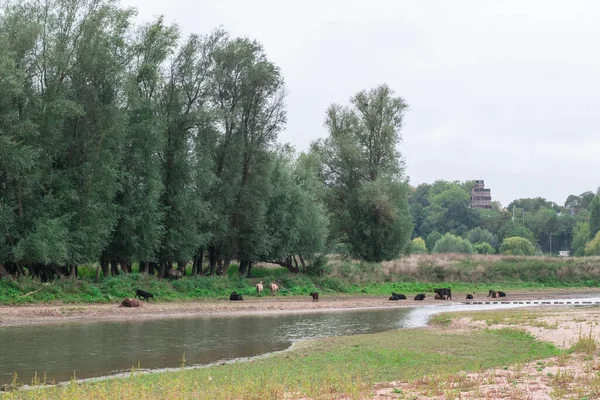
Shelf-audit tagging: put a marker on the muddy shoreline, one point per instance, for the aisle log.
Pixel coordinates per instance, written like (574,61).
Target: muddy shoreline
(41,314)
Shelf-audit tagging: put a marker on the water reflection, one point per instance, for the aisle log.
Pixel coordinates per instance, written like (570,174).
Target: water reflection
(97,349)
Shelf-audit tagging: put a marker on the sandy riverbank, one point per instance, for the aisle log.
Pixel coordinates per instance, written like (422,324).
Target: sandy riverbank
(60,313)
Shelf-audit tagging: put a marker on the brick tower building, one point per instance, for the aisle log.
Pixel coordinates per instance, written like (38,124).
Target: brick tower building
(480,196)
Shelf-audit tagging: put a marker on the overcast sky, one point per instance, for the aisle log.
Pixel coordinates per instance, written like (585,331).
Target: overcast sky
(505,91)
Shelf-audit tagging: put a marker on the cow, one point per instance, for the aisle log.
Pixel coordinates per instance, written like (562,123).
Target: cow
(469,297)
(259,287)
(235,297)
(174,274)
(445,293)
(397,296)
(143,295)
(315,296)
(420,296)
(274,288)
(130,303)
(495,294)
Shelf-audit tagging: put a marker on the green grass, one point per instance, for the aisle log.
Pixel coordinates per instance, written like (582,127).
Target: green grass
(326,368)
(411,275)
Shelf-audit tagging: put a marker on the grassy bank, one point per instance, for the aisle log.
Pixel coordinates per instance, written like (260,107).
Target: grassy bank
(408,275)
(326,368)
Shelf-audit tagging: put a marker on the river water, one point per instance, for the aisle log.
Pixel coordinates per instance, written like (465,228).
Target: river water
(87,350)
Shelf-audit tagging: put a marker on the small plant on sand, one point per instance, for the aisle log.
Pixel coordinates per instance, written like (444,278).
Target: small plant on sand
(585,344)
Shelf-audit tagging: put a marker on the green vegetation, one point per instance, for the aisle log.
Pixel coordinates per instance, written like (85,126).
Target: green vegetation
(419,273)
(592,248)
(418,246)
(450,243)
(517,246)
(327,368)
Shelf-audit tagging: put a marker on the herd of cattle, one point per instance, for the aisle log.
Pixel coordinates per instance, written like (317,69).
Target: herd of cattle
(445,294)
(439,294)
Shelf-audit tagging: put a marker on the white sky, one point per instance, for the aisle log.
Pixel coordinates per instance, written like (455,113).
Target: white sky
(502,90)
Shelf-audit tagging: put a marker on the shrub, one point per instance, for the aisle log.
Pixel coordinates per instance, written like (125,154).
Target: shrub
(418,246)
(592,248)
(432,239)
(517,246)
(479,235)
(450,243)
(483,248)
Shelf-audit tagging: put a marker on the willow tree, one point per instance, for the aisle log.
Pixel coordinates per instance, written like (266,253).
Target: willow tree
(139,227)
(296,218)
(249,109)
(72,54)
(188,123)
(364,174)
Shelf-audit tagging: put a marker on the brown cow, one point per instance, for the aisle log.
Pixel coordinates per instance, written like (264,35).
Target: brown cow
(315,296)
(259,287)
(130,303)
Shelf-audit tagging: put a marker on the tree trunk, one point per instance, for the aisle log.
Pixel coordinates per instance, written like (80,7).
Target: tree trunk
(290,267)
(98,269)
(162,271)
(114,267)
(20,269)
(212,260)
(197,267)
(243,267)
(3,271)
(249,275)
(181,266)
(303,263)
(152,268)
(125,266)
(223,266)
(105,268)
(73,273)
(144,267)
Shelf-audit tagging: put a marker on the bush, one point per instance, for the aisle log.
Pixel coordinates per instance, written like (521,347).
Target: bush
(432,239)
(592,248)
(483,248)
(450,243)
(417,246)
(517,246)
(479,235)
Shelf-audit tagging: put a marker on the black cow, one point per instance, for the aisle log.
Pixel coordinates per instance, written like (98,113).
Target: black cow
(420,296)
(445,293)
(234,296)
(397,296)
(315,296)
(469,297)
(501,294)
(143,295)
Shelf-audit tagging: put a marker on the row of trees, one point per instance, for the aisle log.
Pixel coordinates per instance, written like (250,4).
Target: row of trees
(444,208)
(122,142)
